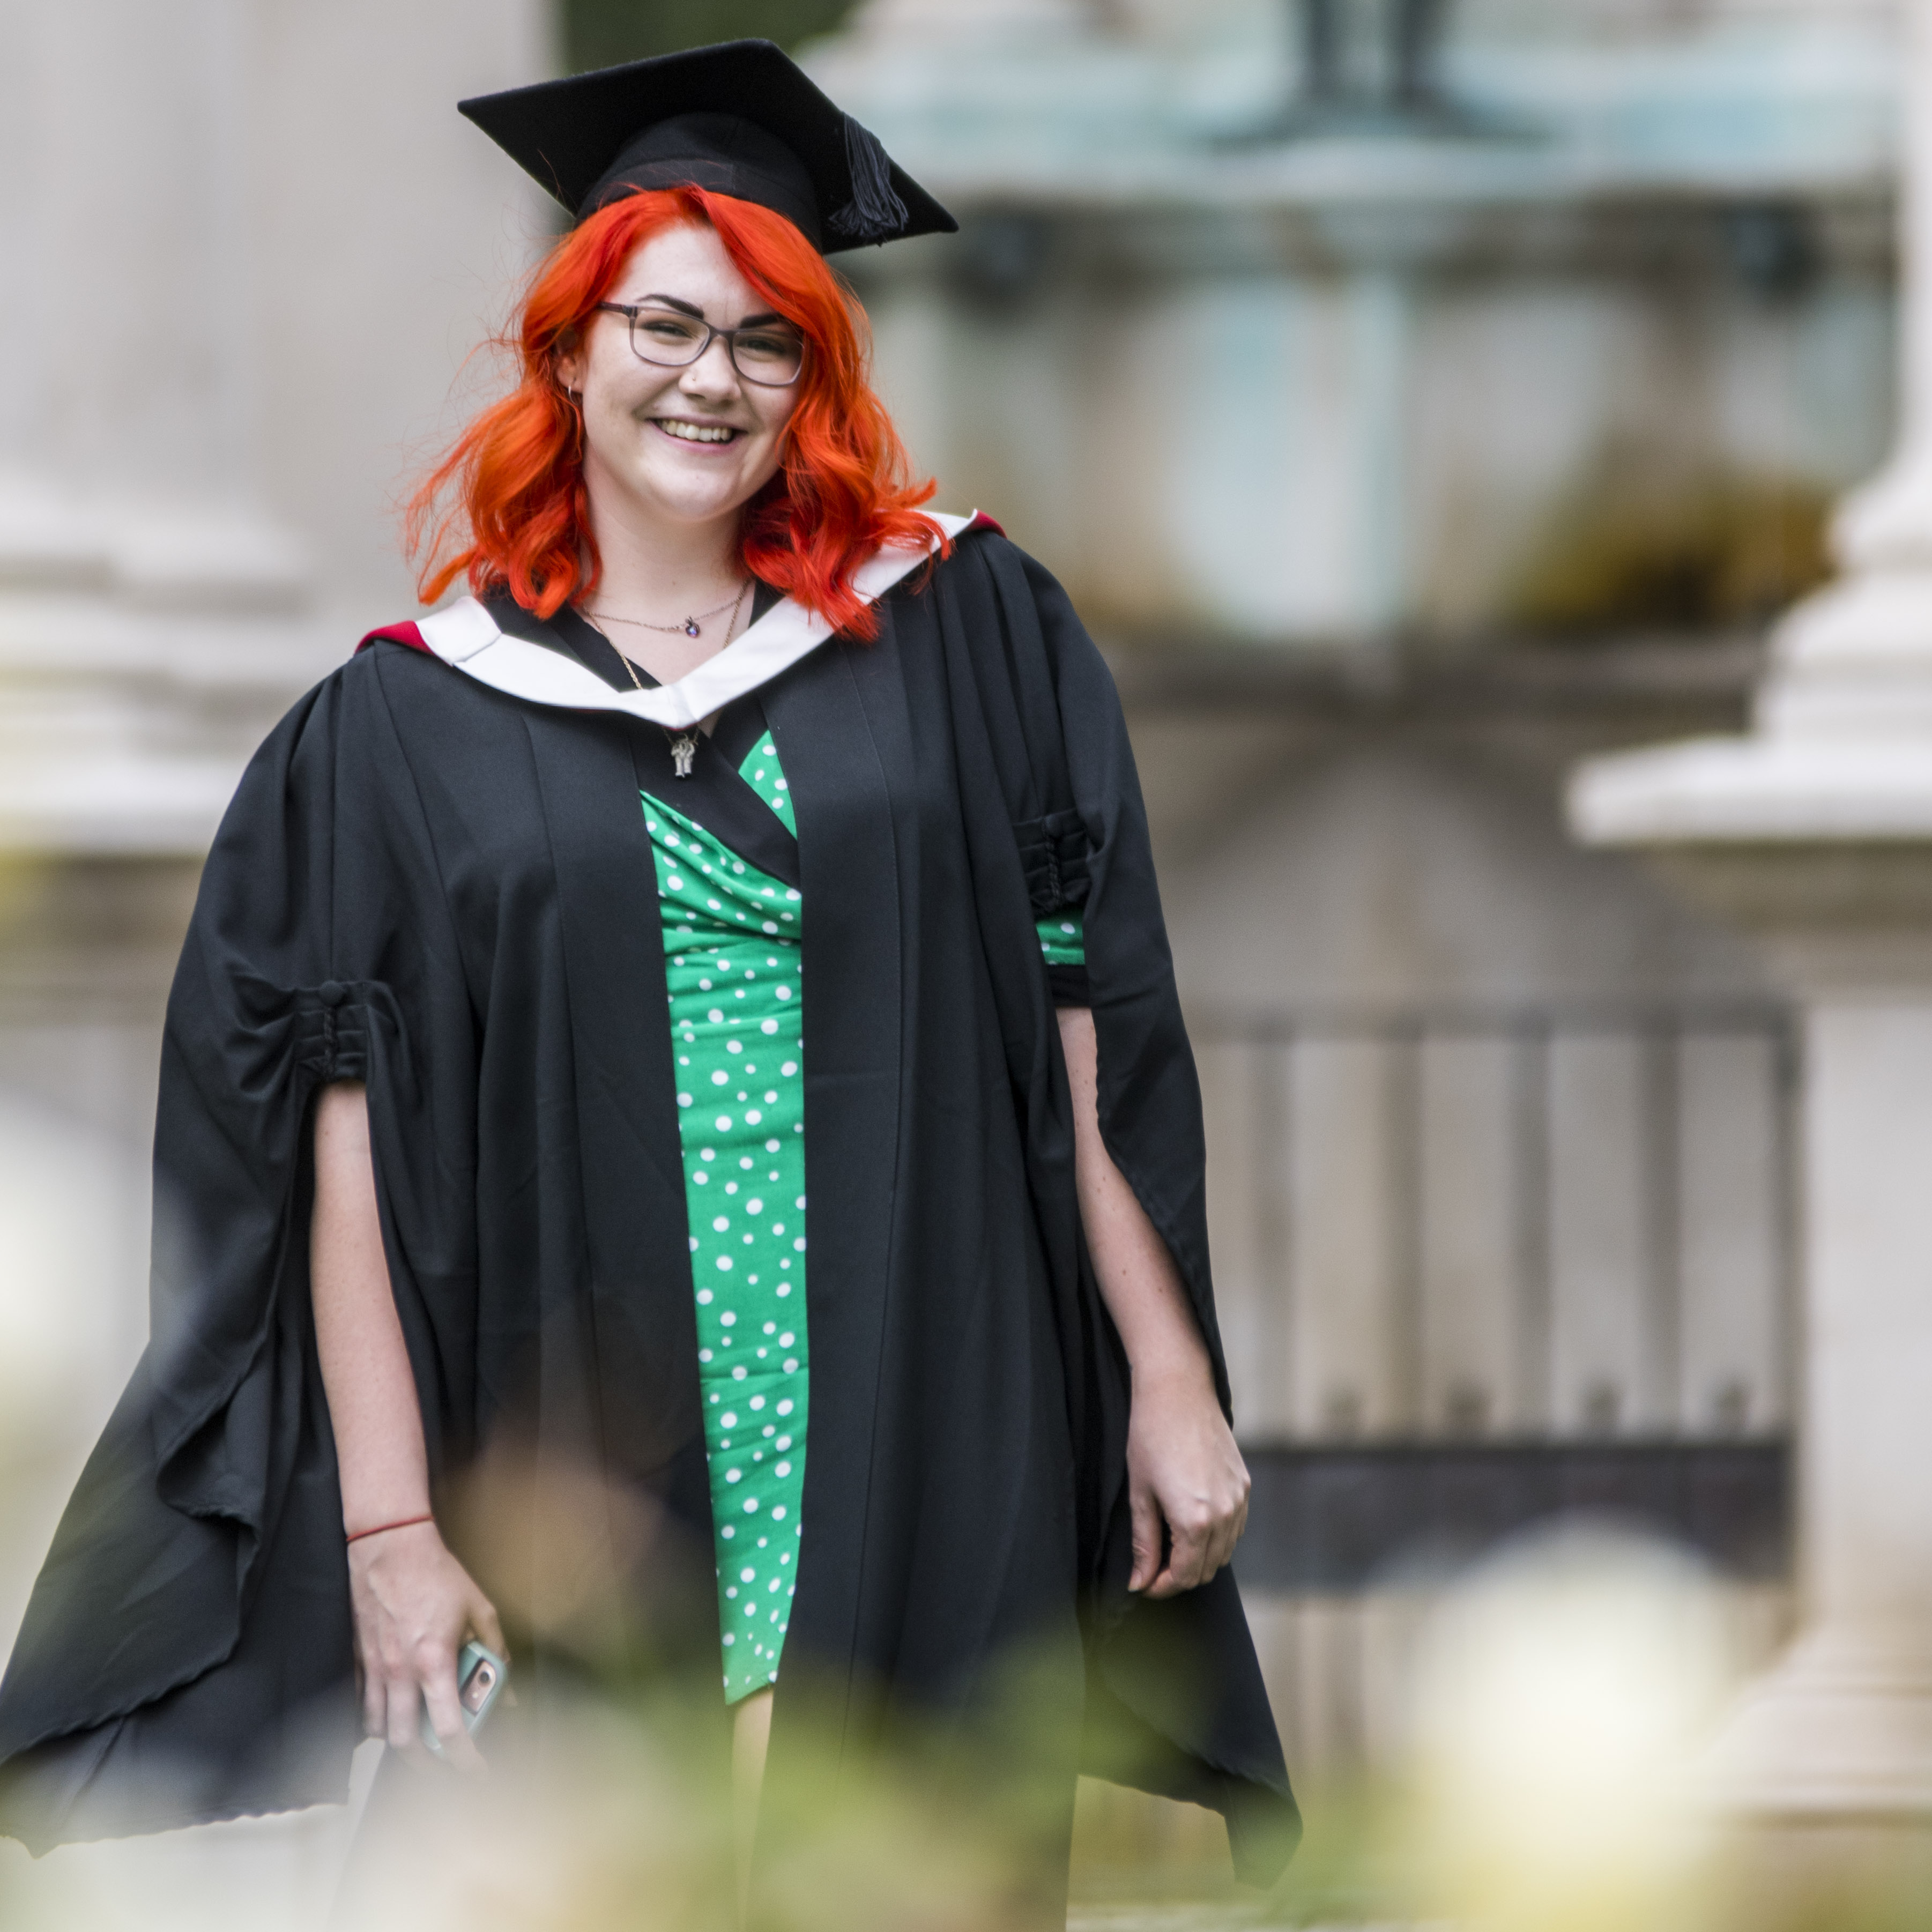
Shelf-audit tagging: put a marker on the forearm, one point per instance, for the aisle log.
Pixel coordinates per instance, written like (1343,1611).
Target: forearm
(1138,1278)
(365,1364)
(1187,1487)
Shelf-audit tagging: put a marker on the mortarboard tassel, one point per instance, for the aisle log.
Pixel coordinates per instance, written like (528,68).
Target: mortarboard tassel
(875,213)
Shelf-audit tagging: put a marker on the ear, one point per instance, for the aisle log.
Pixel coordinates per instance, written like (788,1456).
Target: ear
(567,364)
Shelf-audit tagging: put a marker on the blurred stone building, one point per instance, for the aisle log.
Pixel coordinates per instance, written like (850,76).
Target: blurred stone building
(1415,400)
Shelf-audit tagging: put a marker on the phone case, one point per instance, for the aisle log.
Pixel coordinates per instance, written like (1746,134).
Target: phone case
(473,1657)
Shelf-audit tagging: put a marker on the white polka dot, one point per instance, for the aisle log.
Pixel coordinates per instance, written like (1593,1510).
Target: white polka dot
(730,1418)
(725,1261)
(751,1504)
(719,1079)
(779,1510)
(768,1026)
(746,1575)
(754,1207)
(704,1294)
(728,1319)
(694,1244)
(753,1118)
(771,1147)
(715,1017)
(723,1222)
(724,1123)
(734,1475)
(789,1068)
(783,992)
(684,1099)
(798,1245)
(786,1406)
(783,1469)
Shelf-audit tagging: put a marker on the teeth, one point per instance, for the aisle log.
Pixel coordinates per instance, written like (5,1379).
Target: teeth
(696,432)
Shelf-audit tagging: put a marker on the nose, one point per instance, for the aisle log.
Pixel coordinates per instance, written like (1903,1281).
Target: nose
(713,373)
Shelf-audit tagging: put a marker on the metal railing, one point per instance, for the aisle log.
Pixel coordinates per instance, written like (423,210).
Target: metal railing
(1524,1228)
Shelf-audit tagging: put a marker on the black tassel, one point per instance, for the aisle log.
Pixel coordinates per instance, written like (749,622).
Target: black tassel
(875,213)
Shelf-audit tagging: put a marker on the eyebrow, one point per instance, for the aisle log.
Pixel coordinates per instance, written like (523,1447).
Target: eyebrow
(698,315)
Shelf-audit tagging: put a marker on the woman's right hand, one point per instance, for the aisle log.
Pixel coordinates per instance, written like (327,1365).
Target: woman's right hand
(415,1606)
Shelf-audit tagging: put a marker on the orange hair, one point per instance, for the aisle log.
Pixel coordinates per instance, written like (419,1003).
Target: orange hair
(514,480)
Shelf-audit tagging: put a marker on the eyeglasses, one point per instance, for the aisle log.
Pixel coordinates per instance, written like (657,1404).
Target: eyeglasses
(764,353)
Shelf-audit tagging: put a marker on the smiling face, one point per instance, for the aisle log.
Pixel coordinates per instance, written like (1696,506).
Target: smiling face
(685,447)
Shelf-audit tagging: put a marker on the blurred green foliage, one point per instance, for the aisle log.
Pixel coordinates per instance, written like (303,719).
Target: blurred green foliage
(601,33)
(1632,551)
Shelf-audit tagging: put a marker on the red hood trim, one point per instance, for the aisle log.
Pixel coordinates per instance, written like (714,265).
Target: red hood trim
(397,634)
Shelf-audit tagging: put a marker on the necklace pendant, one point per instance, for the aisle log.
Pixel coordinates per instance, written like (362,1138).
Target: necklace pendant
(683,751)
(690,629)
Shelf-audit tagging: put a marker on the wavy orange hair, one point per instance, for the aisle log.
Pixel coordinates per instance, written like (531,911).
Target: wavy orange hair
(513,483)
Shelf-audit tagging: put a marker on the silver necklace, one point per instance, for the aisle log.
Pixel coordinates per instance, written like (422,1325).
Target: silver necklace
(692,627)
(683,744)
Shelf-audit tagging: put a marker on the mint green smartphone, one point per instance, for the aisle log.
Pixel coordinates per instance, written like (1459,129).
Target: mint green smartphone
(481,1675)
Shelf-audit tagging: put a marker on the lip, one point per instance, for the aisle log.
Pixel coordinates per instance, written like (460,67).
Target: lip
(737,433)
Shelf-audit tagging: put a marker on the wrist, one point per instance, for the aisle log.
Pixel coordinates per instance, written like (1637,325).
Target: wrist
(1187,1377)
(383,1526)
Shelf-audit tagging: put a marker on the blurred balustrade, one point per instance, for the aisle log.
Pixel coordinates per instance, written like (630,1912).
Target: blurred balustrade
(1480,1266)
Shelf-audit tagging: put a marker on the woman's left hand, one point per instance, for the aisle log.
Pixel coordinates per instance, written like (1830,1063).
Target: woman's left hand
(1186,1475)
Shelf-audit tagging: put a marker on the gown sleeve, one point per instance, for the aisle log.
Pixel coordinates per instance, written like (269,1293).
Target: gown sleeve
(1176,1704)
(186,1654)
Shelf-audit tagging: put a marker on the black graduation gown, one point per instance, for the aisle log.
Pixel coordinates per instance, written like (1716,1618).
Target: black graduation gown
(447,893)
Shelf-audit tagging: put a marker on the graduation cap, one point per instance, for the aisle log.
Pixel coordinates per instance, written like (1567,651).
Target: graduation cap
(739,119)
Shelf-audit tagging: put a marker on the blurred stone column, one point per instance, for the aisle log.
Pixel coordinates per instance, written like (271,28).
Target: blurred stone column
(1816,831)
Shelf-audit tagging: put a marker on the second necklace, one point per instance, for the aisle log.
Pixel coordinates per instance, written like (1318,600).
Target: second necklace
(684,744)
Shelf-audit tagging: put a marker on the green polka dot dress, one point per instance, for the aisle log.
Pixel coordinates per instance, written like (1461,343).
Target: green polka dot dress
(731,960)
(731,934)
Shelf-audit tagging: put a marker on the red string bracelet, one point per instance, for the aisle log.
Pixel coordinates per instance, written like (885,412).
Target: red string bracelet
(402,1523)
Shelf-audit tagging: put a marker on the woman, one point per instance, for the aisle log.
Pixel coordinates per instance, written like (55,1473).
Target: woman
(524,1250)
